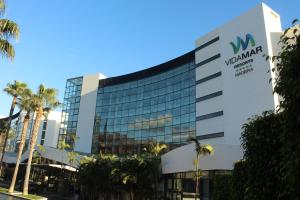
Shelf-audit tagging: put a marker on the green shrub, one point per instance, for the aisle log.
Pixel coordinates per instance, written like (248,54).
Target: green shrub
(110,175)
(271,141)
(261,143)
(288,87)
(239,180)
(222,189)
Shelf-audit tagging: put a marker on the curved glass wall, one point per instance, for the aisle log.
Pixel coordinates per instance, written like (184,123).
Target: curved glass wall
(158,108)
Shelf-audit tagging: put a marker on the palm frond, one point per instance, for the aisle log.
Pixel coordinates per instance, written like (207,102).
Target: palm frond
(2,6)
(9,29)
(202,149)
(46,98)
(197,144)
(6,49)
(25,101)
(207,149)
(15,89)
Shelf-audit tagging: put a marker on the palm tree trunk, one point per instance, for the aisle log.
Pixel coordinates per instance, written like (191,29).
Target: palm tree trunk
(21,147)
(197,177)
(11,112)
(155,185)
(34,135)
(131,192)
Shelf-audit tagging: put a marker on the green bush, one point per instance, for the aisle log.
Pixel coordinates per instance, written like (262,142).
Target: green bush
(239,180)
(110,175)
(288,87)
(270,169)
(222,189)
(261,143)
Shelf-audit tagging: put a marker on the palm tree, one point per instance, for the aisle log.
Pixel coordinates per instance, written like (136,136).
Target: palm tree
(8,29)
(44,100)
(25,103)
(156,148)
(200,150)
(14,89)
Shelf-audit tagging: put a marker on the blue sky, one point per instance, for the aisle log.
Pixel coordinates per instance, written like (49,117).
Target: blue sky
(62,39)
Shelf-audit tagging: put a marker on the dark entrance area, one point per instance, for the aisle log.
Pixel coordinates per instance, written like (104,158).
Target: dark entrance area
(181,186)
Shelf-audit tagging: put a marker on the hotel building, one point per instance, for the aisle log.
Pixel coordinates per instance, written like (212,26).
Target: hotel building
(207,93)
(48,131)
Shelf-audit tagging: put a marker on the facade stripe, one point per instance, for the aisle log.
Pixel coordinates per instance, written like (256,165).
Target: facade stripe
(208,60)
(207,43)
(210,115)
(209,136)
(209,96)
(208,78)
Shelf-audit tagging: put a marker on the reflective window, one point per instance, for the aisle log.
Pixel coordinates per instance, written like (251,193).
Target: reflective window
(70,111)
(159,108)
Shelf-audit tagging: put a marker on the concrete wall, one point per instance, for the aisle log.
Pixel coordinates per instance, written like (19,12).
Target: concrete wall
(229,93)
(182,158)
(243,95)
(52,129)
(86,115)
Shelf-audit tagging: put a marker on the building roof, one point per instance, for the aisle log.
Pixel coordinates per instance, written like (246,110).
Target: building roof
(171,64)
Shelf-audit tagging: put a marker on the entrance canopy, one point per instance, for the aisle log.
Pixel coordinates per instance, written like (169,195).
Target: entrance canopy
(50,153)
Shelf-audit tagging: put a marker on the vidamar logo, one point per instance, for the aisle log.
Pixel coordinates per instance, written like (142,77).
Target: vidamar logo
(240,42)
(244,50)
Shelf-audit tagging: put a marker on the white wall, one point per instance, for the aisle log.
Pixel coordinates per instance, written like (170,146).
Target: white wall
(245,95)
(86,115)
(52,130)
(249,94)
(182,158)
(242,96)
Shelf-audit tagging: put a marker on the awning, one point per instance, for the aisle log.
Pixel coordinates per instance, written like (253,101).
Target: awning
(50,153)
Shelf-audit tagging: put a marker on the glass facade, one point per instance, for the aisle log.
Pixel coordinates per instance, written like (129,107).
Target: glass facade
(159,108)
(70,111)
(43,131)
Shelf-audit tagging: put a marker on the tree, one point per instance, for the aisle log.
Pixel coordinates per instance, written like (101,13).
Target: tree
(14,89)
(25,103)
(129,173)
(113,177)
(44,100)
(8,29)
(200,150)
(287,85)
(262,153)
(156,148)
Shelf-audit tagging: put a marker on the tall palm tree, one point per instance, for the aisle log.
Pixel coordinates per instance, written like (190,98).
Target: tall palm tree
(44,100)
(200,150)
(156,149)
(8,29)
(14,89)
(25,103)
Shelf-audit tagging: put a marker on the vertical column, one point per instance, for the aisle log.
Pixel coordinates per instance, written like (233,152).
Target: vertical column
(86,115)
